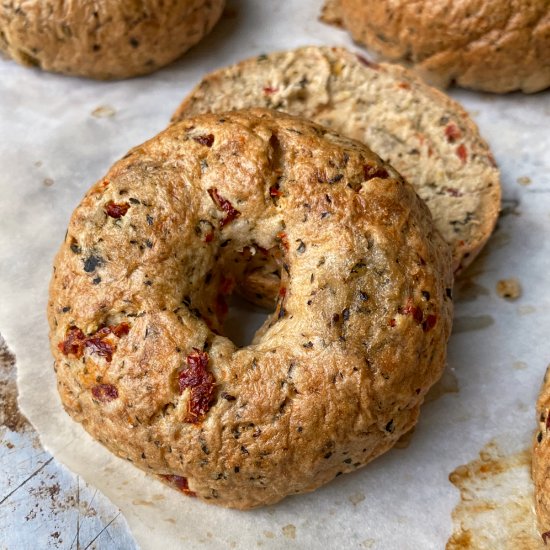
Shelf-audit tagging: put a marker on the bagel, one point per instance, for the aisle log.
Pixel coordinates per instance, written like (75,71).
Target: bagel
(541,460)
(425,135)
(491,45)
(106,39)
(338,371)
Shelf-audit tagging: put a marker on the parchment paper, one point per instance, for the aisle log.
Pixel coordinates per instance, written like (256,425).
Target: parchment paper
(55,142)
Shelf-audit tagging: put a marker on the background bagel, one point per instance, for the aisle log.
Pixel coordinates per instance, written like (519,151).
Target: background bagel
(106,39)
(490,45)
(541,460)
(338,371)
(425,135)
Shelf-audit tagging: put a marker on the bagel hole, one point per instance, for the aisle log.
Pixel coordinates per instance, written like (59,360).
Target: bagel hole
(243,320)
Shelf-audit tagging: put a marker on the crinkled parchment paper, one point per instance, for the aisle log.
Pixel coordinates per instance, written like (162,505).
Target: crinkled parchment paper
(58,135)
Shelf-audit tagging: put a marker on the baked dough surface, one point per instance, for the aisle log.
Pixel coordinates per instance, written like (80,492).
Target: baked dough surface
(339,370)
(490,45)
(103,39)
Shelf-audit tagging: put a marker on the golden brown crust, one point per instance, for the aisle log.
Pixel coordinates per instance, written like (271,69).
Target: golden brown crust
(338,372)
(105,39)
(424,134)
(491,45)
(541,459)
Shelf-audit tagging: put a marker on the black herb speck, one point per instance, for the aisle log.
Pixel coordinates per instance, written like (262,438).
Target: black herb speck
(134,42)
(148,243)
(227,396)
(358,267)
(301,247)
(389,426)
(363,296)
(75,248)
(149,220)
(97,280)
(92,262)
(308,345)
(345,314)
(134,201)
(336,178)
(328,455)
(66,309)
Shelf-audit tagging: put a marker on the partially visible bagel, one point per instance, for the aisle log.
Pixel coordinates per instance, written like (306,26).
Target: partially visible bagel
(541,460)
(424,134)
(339,370)
(490,45)
(105,39)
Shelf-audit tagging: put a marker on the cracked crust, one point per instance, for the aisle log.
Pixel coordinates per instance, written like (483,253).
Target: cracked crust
(425,135)
(339,370)
(105,39)
(491,45)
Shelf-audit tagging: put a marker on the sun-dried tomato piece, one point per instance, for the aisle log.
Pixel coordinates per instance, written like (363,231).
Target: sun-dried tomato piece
(452,133)
(105,392)
(268,90)
(545,536)
(73,343)
(462,152)
(283,239)
(225,206)
(453,192)
(274,191)
(120,330)
(207,140)
(98,346)
(116,210)
(429,323)
(180,483)
(370,172)
(201,382)
(414,311)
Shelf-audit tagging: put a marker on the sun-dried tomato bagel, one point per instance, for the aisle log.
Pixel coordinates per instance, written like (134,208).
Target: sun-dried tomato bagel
(103,39)
(541,460)
(491,45)
(339,370)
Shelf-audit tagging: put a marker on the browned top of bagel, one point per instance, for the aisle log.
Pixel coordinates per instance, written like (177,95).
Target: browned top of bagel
(103,39)
(338,371)
(491,45)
